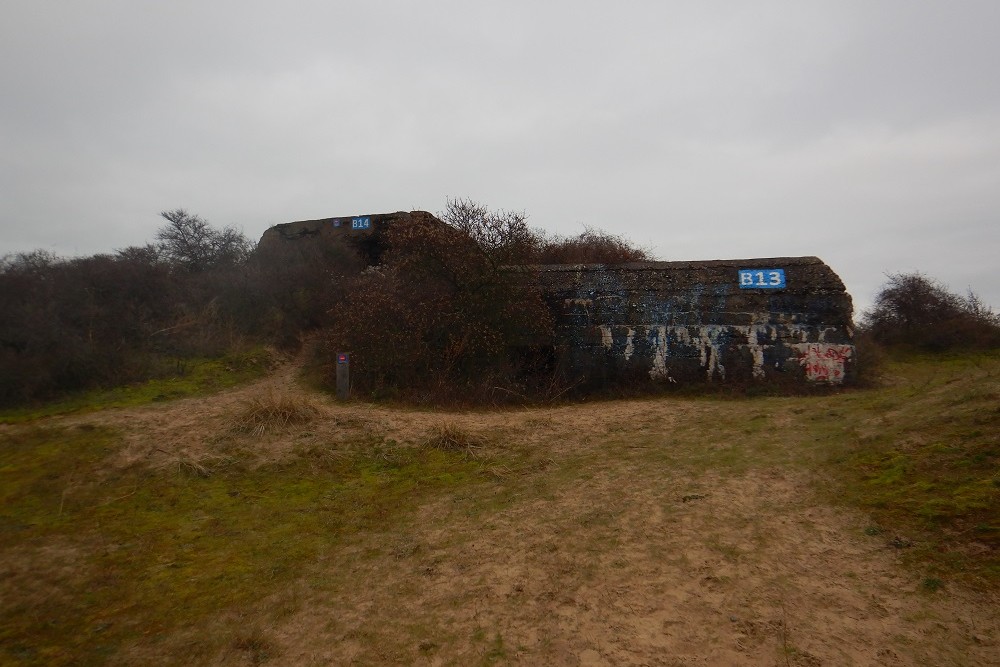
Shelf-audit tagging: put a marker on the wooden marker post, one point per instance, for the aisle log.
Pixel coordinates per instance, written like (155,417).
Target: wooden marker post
(343,376)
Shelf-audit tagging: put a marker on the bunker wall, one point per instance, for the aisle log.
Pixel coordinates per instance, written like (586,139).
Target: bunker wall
(692,321)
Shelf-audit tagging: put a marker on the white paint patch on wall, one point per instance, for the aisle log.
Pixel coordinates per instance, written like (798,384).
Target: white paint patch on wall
(578,303)
(629,345)
(707,342)
(709,336)
(797,330)
(659,370)
(824,362)
(824,331)
(756,349)
(606,340)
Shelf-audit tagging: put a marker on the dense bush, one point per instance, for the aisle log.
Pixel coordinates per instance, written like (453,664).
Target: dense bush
(69,324)
(590,247)
(294,287)
(110,319)
(915,311)
(444,315)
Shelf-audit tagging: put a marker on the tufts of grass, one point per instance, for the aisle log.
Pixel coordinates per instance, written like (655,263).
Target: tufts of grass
(188,377)
(932,584)
(273,412)
(449,437)
(254,643)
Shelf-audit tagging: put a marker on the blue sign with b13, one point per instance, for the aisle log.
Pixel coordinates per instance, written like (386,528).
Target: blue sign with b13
(762,278)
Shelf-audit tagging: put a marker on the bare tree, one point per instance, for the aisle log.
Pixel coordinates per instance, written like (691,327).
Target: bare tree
(188,241)
(503,237)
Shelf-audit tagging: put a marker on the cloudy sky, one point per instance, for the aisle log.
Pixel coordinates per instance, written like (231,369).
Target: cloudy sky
(866,132)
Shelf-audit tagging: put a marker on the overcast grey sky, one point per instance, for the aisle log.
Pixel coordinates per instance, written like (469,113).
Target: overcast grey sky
(865,132)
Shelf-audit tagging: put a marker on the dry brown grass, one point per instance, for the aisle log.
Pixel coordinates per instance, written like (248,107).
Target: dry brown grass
(270,412)
(710,530)
(450,437)
(202,464)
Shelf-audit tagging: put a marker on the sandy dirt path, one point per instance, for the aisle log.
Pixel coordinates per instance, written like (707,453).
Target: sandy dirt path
(617,568)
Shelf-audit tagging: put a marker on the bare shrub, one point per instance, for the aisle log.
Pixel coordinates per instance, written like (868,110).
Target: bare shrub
(913,310)
(502,237)
(593,246)
(272,412)
(189,242)
(870,360)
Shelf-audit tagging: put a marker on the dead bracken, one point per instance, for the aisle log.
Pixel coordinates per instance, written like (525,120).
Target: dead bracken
(271,412)
(449,437)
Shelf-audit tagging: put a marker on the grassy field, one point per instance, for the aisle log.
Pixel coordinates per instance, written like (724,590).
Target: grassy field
(861,526)
(925,458)
(191,377)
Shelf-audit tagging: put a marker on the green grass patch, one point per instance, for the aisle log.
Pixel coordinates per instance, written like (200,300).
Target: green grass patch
(923,456)
(94,559)
(189,377)
(920,454)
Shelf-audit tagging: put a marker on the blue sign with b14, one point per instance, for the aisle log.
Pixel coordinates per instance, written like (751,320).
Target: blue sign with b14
(361,223)
(762,278)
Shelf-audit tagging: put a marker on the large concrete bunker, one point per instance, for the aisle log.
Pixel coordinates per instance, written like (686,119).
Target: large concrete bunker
(785,318)
(714,320)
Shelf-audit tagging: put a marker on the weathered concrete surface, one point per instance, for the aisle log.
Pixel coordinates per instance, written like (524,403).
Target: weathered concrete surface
(686,321)
(651,321)
(364,245)
(333,227)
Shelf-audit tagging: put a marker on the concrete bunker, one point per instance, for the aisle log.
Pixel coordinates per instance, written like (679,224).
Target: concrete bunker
(763,319)
(684,321)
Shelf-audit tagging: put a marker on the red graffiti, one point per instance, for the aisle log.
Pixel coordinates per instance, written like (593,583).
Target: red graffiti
(827,351)
(824,362)
(819,371)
